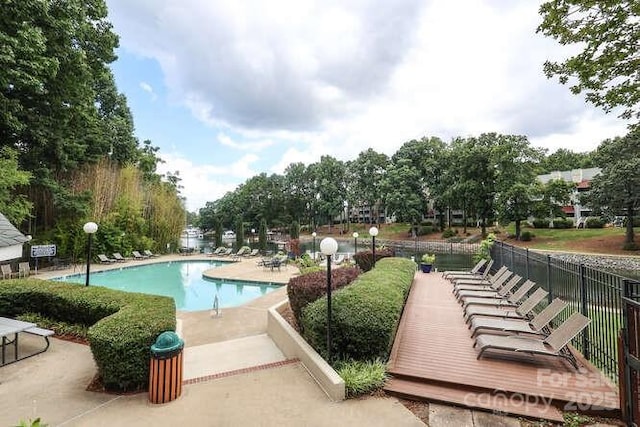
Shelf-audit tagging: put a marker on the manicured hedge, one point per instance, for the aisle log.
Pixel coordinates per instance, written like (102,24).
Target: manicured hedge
(123,325)
(594,222)
(541,223)
(562,223)
(365,314)
(305,289)
(364,259)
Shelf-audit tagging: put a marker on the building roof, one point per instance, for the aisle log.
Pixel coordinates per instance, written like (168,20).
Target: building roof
(575,175)
(9,235)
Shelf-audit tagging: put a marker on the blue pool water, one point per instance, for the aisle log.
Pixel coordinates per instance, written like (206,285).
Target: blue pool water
(181,280)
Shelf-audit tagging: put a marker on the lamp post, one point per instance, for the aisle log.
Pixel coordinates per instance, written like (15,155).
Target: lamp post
(355,242)
(373,232)
(90,228)
(314,234)
(329,247)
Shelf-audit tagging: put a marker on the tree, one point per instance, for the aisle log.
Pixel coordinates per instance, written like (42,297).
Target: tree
(262,235)
(14,206)
(555,194)
(402,192)
(617,188)
(330,186)
(239,233)
(564,160)
(367,173)
(607,34)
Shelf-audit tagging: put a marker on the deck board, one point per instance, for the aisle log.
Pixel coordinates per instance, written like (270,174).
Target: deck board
(433,346)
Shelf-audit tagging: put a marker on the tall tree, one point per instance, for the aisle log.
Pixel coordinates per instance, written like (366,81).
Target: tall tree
(616,189)
(564,160)
(607,35)
(330,186)
(402,192)
(14,206)
(367,172)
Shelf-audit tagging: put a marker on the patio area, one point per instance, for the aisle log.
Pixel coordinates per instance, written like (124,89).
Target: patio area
(433,359)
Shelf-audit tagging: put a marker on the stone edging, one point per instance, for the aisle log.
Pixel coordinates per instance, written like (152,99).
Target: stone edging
(293,346)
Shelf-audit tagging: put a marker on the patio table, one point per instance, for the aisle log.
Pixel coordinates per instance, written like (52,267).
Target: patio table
(13,327)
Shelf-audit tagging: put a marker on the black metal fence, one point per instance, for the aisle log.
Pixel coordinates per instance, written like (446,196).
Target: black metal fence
(595,293)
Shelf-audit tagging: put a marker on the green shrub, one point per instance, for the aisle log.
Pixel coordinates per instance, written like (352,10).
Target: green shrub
(562,223)
(361,377)
(449,232)
(541,223)
(423,230)
(635,220)
(526,236)
(594,222)
(365,314)
(121,325)
(428,258)
(427,223)
(364,259)
(305,289)
(484,251)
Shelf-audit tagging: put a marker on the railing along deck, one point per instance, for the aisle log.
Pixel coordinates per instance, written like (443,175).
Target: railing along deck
(433,358)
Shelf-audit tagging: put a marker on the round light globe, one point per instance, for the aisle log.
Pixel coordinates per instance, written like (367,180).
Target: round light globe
(329,246)
(355,234)
(373,231)
(314,234)
(90,227)
(29,237)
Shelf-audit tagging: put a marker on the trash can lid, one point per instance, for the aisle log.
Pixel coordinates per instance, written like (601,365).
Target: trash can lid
(167,342)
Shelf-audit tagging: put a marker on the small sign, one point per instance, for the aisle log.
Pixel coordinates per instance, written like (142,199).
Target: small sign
(39,251)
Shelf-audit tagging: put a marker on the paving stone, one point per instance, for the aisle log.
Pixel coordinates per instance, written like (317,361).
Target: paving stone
(487,419)
(449,416)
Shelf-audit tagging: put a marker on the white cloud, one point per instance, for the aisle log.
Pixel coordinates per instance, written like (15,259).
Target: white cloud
(333,77)
(147,88)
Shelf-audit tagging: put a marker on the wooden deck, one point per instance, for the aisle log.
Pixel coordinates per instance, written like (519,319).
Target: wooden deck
(433,359)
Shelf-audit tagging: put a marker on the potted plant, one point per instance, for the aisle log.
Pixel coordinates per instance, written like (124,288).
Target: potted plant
(426,262)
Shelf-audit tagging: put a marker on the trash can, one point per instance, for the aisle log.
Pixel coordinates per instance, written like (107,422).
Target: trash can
(165,371)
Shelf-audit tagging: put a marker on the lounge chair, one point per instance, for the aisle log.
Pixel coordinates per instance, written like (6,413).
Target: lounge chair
(553,345)
(226,252)
(150,254)
(105,260)
(502,300)
(24,269)
(474,272)
(219,250)
(138,256)
(238,254)
(520,312)
(7,272)
(502,292)
(118,257)
(253,253)
(482,281)
(496,284)
(535,326)
(338,259)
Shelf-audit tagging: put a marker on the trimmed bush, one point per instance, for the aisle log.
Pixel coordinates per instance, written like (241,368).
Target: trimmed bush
(365,314)
(540,223)
(449,232)
(122,325)
(423,230)
(526,236)
(305,289)
(364,259)
(562,223)
(594,222)
(362,377)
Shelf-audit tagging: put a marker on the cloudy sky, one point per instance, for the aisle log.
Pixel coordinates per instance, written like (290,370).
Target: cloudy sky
(230,89)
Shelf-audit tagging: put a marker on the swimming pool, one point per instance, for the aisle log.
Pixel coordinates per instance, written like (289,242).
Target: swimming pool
(181,280)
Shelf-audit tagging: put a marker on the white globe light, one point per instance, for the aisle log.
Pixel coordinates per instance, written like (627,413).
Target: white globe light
(329,246)
(355,234)
(90,227)
(373,231)
(314,234)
